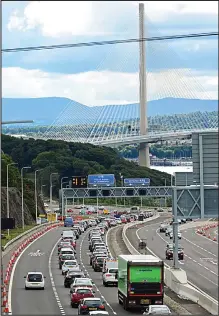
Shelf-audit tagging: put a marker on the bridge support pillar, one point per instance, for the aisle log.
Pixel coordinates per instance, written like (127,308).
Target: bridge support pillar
(144,158)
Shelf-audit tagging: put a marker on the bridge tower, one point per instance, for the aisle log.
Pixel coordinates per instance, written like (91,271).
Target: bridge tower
(144,158)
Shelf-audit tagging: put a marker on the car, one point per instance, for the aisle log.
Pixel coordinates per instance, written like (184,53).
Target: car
(97,244)
(69,264)
(168,231)
(68,222)
(97,253)
(82,282)
(169,252)
(67,251)
(63,258)
(179,235)
(163,228)
(63,244)
(90,304)
(98,264)
(110,277)
(71,275)
(79,293)
(157,310)
(34,280)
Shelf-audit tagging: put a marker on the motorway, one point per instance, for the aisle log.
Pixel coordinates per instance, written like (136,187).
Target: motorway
(54,300)
(201,254)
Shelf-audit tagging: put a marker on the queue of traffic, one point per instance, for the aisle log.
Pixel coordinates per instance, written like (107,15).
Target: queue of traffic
(139,279)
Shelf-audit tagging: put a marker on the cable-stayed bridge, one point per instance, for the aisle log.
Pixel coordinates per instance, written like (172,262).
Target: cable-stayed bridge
(120,124)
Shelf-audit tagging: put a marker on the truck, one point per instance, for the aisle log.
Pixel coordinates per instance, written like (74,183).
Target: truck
(140,281)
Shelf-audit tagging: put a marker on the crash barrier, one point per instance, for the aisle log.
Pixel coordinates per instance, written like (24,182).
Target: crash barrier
(177,281)
(38,227)
(16,253)
(204,230)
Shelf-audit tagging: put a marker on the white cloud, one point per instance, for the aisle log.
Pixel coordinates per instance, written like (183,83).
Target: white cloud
(69,18)
(107,87)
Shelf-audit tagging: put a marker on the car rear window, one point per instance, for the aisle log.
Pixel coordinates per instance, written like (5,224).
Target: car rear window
(113,270)
(35,278)
(92,302)
(83,291)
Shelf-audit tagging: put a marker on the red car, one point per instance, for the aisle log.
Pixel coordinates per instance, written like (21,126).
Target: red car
(79,293)
(59,217)
(123,219)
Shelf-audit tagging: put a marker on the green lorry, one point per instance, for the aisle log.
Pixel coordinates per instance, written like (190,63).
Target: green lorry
(140,281)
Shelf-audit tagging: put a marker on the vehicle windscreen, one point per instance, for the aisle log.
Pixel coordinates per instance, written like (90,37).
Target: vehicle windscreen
(35,278)
(100,260)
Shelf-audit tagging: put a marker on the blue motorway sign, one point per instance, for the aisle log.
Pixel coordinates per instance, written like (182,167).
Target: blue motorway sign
(136,182)
(101,180)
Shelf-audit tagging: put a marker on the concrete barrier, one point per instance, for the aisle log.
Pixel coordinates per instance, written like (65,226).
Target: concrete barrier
(177,281)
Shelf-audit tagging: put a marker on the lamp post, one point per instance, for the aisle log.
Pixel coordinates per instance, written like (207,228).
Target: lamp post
(41,190)
(22,194)
(8,212)
(35,182)
(54,173)
(62,181)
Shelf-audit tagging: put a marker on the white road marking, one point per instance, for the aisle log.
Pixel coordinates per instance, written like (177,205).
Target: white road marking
(14,268)
(52,280)
(97,289)
(200,246)
(38,253)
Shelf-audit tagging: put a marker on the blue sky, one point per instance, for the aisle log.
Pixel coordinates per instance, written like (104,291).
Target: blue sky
(108,74)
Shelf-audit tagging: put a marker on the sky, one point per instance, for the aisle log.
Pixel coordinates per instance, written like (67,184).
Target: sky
(108,74)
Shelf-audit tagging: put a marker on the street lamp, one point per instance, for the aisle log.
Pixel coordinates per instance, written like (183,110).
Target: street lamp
(35,183)
(8,213)
(22,194)
(41,190)
(54,173)
(62,181)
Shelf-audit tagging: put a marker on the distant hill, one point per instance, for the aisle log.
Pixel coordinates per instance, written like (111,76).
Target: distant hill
(44,111)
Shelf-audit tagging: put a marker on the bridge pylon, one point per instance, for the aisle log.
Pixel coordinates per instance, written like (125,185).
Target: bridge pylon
(144,158)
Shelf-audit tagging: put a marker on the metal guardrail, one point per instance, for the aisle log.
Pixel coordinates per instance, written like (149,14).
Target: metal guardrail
(24,234)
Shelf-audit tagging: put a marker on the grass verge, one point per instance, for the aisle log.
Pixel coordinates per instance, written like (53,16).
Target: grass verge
(14,233)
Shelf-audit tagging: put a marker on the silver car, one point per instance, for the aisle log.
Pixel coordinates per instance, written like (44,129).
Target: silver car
(157,310)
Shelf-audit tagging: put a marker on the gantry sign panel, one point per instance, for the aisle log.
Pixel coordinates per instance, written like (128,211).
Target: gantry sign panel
(189,202)
(113,192)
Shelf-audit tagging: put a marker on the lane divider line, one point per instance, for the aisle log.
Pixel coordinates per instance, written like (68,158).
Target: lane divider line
(52,280)
(13,271)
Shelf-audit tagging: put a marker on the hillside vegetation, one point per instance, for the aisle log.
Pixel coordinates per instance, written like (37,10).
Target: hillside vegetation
(68,159)
(15,194)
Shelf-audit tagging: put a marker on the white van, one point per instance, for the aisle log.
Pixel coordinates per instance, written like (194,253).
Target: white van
(135,209)
(109,264)
(67,234)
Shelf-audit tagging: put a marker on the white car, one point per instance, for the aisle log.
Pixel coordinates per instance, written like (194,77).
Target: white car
(68,264)
(158,310)
(179,235)
(110,277)
(82,282)
(34,280)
